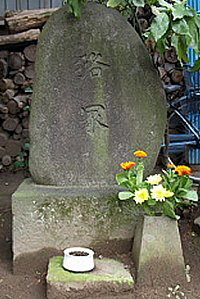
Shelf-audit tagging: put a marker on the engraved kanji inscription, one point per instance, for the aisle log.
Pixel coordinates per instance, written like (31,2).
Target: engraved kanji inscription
(95,118)
(91,64)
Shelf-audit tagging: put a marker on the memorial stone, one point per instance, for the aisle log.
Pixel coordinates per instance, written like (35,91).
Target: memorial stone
(96,98)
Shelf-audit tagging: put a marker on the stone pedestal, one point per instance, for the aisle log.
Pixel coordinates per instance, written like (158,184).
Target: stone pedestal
(58,217)
(109,279)
(157,252)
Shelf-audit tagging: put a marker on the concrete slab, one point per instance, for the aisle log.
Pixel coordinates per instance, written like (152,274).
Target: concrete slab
(109,279)
(157,252)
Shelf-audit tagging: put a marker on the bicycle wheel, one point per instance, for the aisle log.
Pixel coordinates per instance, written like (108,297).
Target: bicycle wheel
(185,122)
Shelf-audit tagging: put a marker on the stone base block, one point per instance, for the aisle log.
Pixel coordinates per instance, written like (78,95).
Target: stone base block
(157,252)
(59,217)
(109,279)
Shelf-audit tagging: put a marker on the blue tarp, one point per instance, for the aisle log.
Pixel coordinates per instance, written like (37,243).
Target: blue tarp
(194,154)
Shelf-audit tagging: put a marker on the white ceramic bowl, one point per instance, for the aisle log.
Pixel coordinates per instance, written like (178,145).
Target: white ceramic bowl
(80,263)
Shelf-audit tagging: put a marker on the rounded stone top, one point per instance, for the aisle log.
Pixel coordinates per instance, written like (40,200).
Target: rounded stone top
(97,98)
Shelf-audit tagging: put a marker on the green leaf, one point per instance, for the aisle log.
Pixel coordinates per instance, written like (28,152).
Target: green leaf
(74,7)
(182,49)
(113,3)
(180,27)
(188,183)
(155,10)
(179,10)
(125,195)
(151,202)
(138,3)
(191,195)
(193,33)
(151,2)
(159,26)
(121,178)
(178,200)
(123,181)
(161,45)
(19,164)
(197,20)
(168,209)
(165,4)
(147,34)
(196,67)
(174,41)
(26,146)
(28,89)
(181,192)
(139,173)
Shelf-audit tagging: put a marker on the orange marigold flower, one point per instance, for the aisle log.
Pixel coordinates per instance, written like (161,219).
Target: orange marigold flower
(140,154)
(171,165)
(182,169)
(127,165)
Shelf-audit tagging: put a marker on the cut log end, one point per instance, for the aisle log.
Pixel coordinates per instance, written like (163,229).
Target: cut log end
(6,160)
(10,124)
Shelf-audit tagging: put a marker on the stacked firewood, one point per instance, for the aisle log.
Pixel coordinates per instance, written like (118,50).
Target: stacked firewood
(16,77)
(168,66)
(18,41)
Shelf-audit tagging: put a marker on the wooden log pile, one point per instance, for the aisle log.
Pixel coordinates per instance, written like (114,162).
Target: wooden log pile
(16,78)
(24,26)
(18,42)
(169,68)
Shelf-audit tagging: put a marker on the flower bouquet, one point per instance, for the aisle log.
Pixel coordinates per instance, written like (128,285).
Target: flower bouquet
(160,193)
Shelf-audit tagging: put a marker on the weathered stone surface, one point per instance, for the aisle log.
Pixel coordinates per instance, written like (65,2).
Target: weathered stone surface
(108,277)
(97,97)
(157,252)
(60,217)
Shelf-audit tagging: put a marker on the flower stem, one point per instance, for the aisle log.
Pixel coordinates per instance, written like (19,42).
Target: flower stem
(140,174)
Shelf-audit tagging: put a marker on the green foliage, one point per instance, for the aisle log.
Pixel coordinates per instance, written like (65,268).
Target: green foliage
(125,195)
(159,26)
(196,67)
(158,194)
(174,24)
(22,159)
(74,7)
(168,209)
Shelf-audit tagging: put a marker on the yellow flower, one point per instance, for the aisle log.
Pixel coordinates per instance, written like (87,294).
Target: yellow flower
(154,179)
(141,195)
(182,169)
(171,165)
(158,193)
(169,193)
(140,154)
(127,165)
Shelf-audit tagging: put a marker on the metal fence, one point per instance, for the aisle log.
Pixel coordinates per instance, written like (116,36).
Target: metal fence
(27,4)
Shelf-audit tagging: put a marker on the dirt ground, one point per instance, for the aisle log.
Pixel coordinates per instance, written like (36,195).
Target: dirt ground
(33,287)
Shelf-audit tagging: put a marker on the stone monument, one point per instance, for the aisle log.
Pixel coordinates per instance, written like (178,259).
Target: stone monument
(96,98)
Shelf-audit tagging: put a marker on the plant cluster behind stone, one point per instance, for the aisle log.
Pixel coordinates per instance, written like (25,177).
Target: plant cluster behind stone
(173,23)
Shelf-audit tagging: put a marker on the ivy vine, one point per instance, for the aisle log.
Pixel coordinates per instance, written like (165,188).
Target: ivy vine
(174,23)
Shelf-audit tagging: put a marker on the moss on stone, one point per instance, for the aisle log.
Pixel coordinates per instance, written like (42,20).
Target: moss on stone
(107,270)
(60,217)
(53,205)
